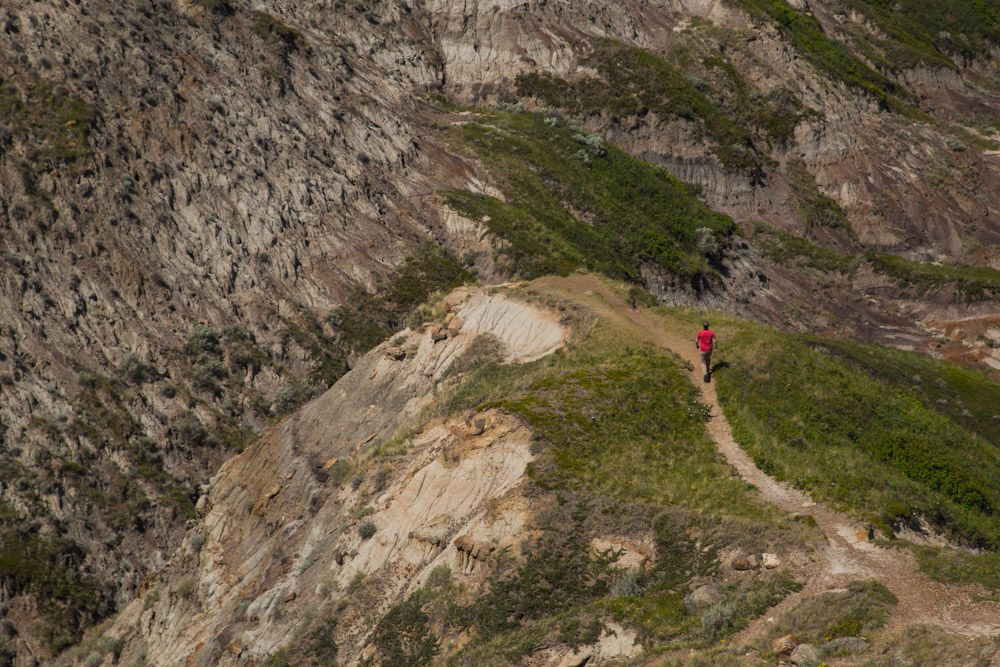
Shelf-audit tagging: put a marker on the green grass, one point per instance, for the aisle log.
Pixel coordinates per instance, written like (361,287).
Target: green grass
(369,318)
(973,282)
(789,250)
(955,566)
(49,567)
(53,123)
(830,56)
(572,201)
(635,81)
(620,445)
(851,424)
(925,31)
(266,26)
(816,209)
(855,611)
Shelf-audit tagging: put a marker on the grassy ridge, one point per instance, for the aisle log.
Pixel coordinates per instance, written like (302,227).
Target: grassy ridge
(973,283)
(573,201)
(621,448)
(841,420)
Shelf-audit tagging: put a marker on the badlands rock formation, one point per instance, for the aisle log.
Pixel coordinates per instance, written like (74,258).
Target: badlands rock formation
(278,537)
(188,187)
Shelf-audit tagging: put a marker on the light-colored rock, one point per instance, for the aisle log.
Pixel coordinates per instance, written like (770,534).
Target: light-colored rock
(806,655)
(703,597)
(847,645)
(770,561)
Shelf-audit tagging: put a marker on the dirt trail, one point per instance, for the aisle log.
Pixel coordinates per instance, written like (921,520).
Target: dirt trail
(847,555)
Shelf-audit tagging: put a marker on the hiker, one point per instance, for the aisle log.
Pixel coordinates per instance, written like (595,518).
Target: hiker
(706,343)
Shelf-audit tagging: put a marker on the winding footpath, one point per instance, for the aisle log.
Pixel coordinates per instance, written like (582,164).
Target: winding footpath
(846,555)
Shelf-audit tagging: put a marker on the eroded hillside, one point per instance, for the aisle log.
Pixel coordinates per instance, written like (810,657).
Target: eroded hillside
(211,208)
(534,483)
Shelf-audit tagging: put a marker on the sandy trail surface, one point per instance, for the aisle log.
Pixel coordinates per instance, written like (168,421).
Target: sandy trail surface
(846,555)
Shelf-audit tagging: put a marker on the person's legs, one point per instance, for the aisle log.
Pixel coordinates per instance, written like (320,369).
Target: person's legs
(706,360)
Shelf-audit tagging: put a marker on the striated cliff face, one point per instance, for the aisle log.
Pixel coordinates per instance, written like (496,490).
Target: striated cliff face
(280,532)
(188,187)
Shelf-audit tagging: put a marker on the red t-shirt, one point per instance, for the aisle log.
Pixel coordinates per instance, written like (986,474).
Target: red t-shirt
(705,339)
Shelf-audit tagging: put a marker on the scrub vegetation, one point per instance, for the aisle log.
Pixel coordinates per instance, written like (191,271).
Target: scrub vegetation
(621,445)
(572,201)
(888,435)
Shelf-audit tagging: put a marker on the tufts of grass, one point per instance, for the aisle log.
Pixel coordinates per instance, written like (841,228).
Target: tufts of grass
(51,122)
(830,56)
(798,403)
(918,32)
(973,282)
(49,567)
(816,209)
(635,81)
(855,611)
(788,249)
(957,566)
(572,206)
(267,26)
(369,318)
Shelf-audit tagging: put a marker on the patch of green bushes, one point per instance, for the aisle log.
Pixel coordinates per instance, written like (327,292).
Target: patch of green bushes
(267,26)
(815,208)
(830,56)
(371,317)
(799,403)
(973,282)
(403,637)
(787,249)
(635,81)
(50,568)
(47,118)
(919,31)
(855,611)
(957,566)
(610,213)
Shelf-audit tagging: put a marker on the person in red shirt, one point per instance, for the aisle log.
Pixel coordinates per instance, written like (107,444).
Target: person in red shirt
(706,343)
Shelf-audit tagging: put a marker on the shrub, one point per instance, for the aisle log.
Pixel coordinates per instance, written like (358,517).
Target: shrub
(716,618)
(203,340)
(197,541)
(285,401)
(379,480)
(187,587)
(357,481)
(266,26)
(189,431)
(136,371)
(403,636)
(366,529)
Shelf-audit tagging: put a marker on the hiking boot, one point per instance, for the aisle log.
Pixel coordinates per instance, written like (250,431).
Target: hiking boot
(708,377)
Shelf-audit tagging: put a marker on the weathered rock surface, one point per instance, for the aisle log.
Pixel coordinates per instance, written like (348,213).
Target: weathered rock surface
(703,597)
(847,645)
(806,655)
(271,512)
(231,177)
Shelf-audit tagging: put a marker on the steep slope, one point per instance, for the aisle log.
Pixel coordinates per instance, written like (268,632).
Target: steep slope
(459,537)
(209,207)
